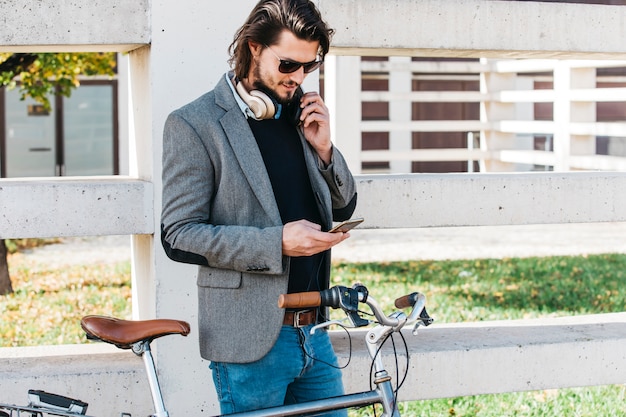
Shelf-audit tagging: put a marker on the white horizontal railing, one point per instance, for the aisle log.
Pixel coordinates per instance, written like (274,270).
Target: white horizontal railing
(550,127)
(617,94)
(598,162)
(437,200)
(451,360)
(545,158)
(543,65)
(426,67)
(476,66)
(112,206)
(423,126)
(425,96)
(75,206)
(456,154)
(598,129)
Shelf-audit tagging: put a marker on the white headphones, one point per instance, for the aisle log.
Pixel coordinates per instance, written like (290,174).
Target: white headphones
(261,105)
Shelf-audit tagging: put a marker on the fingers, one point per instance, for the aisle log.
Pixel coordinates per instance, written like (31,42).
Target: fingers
(304,238)
(313,109)
(316,125)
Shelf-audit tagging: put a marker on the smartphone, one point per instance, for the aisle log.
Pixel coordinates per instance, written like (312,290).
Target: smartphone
(346,225)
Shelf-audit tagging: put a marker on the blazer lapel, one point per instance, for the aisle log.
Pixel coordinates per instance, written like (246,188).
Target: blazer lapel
(249,158)
(318,184)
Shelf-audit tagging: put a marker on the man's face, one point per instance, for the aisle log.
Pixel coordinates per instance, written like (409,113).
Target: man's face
(264,72)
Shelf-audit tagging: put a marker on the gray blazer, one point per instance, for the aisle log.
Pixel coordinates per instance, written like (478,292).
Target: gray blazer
(219,212)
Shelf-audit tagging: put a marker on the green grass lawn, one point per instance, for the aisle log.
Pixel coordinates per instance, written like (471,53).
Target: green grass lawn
(48,302)
(500,289)
(47,305)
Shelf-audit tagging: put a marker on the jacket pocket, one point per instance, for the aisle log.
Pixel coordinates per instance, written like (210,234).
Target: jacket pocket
(219,278)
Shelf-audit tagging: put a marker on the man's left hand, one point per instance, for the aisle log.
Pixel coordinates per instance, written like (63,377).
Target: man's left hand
(316,125)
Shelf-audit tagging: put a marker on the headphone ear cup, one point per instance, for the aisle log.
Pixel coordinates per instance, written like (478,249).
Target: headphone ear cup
(269,108)
(259,103)
(294,110)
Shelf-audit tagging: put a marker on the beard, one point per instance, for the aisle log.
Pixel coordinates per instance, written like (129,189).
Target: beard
(260,84)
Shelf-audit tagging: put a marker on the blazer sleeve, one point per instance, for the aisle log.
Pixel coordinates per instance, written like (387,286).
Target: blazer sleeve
(341,185)
(201,218)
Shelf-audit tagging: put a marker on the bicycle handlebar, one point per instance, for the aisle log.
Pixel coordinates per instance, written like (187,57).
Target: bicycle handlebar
(348,299)
(334,297)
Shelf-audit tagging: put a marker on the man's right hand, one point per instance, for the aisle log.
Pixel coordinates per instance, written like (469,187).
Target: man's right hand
(305,238)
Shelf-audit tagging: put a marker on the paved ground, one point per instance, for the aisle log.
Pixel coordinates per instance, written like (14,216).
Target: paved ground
(482,242)
(402,244)
(80,251)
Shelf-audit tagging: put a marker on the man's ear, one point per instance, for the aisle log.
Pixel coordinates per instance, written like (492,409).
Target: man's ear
(255,48)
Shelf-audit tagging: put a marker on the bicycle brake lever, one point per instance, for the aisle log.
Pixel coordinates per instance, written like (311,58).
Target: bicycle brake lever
(325,324)
(416,326)
(357,321)
(422,321)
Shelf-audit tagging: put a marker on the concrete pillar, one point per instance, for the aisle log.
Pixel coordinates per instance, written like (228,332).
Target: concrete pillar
(400,112)
(492,111)
(124,128)
(187,56)
(562,116)
(583,111)
(567,112)
(342,91)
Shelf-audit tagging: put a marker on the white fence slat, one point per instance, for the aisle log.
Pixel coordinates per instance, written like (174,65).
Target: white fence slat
(428,200)
(75,206)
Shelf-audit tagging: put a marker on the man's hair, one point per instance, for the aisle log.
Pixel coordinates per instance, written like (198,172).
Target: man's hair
(266,22)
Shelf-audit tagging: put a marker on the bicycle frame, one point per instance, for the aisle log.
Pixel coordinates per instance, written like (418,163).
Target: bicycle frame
(382,394)
(137,336)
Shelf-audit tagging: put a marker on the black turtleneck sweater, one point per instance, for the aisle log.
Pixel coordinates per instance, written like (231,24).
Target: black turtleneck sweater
(282,153)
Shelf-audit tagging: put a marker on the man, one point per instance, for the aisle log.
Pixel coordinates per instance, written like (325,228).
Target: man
(251,184)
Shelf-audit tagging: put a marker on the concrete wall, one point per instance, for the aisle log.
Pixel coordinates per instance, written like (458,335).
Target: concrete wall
(178,51)
(48,26)
(476,28)
(108,379)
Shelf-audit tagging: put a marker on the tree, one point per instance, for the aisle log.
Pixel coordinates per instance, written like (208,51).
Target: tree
(40,76)
(5,280)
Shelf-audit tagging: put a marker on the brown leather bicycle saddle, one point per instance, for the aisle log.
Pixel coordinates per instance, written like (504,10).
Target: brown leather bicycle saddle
(124,333)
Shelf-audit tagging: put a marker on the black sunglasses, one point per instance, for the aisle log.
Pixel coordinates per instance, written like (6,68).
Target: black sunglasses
(287,67)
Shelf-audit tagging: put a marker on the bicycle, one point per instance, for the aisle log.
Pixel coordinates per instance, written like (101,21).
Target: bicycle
(137,336)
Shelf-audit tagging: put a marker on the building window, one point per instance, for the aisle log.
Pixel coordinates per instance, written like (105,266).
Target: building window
(77,137)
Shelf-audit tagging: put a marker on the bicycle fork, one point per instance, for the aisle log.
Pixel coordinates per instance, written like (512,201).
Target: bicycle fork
(383,382)
(381,377)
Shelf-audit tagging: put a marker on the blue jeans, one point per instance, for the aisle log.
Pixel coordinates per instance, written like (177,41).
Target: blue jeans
(300,367)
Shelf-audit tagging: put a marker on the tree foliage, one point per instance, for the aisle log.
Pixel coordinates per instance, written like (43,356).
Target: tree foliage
(41,75)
